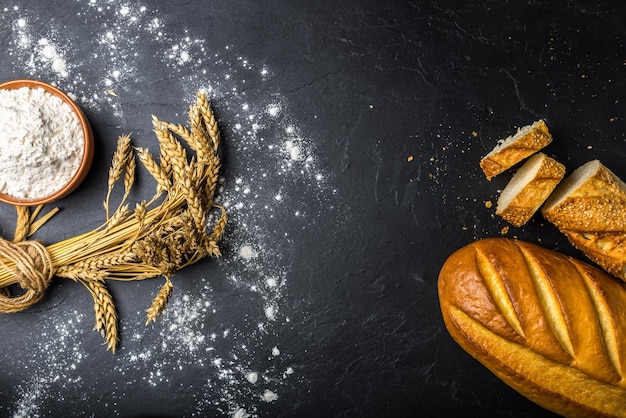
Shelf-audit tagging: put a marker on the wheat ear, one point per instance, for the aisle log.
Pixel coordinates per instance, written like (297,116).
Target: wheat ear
(122,154)
(106,315)
(159,303)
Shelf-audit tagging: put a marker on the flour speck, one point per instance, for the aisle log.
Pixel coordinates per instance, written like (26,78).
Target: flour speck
(247,252)
(240,413)
(252,377)
(269,396)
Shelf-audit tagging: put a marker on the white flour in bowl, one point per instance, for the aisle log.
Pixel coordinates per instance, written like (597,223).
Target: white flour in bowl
(41,143)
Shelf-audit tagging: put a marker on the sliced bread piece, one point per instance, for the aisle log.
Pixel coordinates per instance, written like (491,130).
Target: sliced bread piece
(589,207)
(508,152)
(529,188)
(591,199)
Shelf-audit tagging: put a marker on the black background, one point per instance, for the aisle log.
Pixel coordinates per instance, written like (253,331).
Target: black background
(399,100)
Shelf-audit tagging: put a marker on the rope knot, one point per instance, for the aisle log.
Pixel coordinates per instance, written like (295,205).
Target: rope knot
(32,268)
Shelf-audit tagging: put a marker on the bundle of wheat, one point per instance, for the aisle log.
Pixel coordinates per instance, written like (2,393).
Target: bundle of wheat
(159,237)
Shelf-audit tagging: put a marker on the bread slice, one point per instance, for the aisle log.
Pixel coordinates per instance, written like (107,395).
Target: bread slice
(508,152)
(529,188)
(589,207)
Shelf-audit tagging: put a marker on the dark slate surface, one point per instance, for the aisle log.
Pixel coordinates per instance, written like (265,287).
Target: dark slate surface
(395,102)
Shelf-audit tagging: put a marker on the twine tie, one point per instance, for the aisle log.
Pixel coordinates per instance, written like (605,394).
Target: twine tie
(31,267)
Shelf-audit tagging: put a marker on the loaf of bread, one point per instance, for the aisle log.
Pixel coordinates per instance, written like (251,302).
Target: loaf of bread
(550,326)
(589,207)
(510,151)
(529,188)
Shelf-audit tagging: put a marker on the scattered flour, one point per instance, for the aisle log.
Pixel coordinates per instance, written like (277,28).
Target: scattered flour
(200,333)
(58,369)
(50,55)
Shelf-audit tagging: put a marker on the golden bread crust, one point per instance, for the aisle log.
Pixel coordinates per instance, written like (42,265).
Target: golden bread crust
(597,204)
(607,250)
(527,141)
(590,210)
(549,326)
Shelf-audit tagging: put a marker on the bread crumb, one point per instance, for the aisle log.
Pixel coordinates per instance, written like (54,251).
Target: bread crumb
(504,230)
(488,204)
(474,134)
(410,158)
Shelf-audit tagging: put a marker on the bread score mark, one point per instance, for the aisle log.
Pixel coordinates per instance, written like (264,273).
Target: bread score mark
(549,303)
(496,287)
(606,319)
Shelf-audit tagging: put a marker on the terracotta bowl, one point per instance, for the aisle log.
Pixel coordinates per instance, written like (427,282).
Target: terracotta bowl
(85,164)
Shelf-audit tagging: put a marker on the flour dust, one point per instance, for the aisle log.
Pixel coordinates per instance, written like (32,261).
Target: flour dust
(241,357)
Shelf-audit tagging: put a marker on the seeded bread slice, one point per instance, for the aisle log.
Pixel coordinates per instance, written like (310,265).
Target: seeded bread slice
(589,207)
(508,152)
(529,188)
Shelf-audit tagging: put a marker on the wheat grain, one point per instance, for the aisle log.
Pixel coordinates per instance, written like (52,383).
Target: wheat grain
(209,119)
(213,169)
(180,131)
(210,244)
(78,273)
(193,200)
(198,133)
(106,314)
(118,217)
(173,153)
(104,261)
(129,175)
(220,225)
(196,124)
(159,304)
(121,155)
(157,172)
